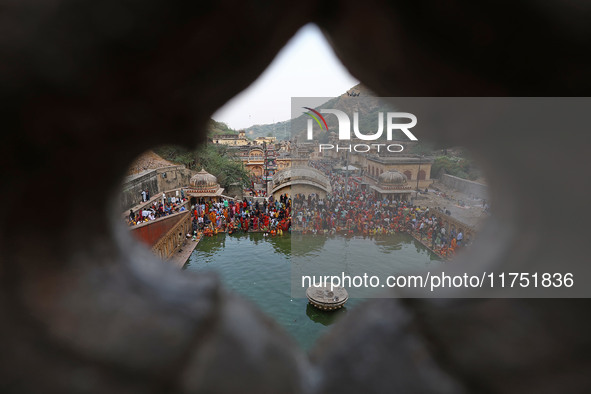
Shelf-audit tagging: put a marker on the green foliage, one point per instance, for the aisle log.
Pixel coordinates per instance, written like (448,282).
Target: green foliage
(456,166)
(422,148)
(219,128)
(177,155)
(281,130)
(215,159)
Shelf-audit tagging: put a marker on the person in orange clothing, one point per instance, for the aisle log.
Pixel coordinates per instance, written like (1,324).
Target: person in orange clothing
(453,245)
(255,223)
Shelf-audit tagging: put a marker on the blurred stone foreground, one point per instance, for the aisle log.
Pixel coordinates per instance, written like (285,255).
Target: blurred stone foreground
(87,86)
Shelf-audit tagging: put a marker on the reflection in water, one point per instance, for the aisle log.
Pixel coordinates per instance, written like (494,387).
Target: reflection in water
(307,245)
(281,244)
(358,256)
(389,243)
(260,268)
(326,318)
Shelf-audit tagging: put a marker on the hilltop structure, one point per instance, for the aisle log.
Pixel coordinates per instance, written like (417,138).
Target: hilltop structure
(231,139)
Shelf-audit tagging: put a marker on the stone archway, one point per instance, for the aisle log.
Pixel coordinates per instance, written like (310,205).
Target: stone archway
(257,171)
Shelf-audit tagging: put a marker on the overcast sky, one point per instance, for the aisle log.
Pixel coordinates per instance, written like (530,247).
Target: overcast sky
(305,67)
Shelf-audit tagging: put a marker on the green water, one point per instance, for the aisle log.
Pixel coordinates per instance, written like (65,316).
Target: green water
(259,268)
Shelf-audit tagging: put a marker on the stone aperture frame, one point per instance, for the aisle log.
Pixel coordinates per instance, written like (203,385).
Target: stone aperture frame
(88,86)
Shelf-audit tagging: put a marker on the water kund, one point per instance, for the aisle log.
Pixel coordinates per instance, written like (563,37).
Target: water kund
(261,268)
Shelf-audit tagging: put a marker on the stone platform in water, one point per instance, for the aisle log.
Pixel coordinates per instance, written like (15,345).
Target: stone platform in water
(326,299)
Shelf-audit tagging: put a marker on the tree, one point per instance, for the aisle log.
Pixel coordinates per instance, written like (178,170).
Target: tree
(456,166)
(218,160)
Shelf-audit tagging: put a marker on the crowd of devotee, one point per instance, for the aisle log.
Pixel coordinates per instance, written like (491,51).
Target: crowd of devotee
(163,206)
(351,210)
(348,210)
(271,217)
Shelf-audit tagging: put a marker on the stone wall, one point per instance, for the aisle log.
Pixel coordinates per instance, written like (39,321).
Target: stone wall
(451,223)
(465,186)
(133,185)
(235,190)
(150,232)
(172,241)
(173,177)
(156,181)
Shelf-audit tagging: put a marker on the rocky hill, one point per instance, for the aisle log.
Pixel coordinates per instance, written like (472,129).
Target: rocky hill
(219,128)
(358,98)
(281,130)
(147,161)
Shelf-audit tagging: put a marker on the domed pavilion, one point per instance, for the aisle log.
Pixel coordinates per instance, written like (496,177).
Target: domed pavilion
(392,185)
(204,186)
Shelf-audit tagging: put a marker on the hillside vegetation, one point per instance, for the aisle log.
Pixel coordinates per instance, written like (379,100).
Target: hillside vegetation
(457,164)
(219,128)
(215,159)
(280,130)
(365,103)
(447,160)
